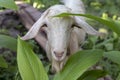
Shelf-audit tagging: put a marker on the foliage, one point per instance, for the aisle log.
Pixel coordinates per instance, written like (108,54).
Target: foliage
(110,44)
(44,4)
(98,7)
(77,64)
(3,63)
(118,78)
(49,3)
(77,68)
(29,65)
(7,58)
(8,4)
(7,41)
(83,59)
(114,25)
(114,56)
(92,75)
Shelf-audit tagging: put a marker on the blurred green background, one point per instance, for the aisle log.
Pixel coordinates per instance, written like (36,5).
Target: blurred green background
(102,8)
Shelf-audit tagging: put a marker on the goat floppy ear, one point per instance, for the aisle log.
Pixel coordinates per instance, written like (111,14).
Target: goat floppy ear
(85,26)
(36,26)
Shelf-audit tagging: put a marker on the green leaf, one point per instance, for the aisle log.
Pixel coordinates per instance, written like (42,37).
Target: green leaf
(109,46)
(113,56)
(118,78)
(112,24)
(3,63)
(8,42)
(78,64)
(29,65)
(8,4)
(104,42)
(92,75)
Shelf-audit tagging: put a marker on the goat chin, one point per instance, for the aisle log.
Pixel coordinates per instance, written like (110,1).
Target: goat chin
(57,66)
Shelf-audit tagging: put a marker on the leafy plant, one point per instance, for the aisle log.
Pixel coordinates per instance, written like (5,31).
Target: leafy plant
(30,66)
(8,4)
(3,63)
(78,64)
(8,45)
(93,75)
(118,78)
(8,42)
(114,56)
(42,3)
(112,24)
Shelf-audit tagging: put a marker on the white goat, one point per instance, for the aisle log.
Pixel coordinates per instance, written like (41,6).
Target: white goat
(64,34)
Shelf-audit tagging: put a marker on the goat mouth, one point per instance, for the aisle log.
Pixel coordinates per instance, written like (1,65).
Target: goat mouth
(59,58)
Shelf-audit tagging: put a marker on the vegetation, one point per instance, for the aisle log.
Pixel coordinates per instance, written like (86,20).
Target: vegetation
(103,51)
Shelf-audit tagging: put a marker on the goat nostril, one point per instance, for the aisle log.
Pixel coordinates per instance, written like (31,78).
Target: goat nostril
(58,54)
(55,53)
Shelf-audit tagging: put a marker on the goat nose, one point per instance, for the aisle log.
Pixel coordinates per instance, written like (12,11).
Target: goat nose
(58,54)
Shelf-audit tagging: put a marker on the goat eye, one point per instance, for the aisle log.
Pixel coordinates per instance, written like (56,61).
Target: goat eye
(45,25)
(73,26)
(43,30)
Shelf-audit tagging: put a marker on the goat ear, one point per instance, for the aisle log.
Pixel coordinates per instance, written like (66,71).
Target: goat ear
(85,26)
(36,27)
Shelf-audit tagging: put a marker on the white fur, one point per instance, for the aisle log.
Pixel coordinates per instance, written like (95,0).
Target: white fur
(61,37)
(76,5)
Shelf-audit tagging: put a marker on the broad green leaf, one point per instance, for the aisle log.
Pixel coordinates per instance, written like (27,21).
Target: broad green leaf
(113,56)
(92,75)
(3,63)
(8,42)
(29,65)
(112,24)
(8,4)
(78,64)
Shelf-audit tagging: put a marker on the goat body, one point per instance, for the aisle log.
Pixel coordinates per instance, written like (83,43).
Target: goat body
(64,34)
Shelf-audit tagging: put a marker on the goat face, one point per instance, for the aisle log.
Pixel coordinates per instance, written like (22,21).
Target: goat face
(58,35)
(58,30)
